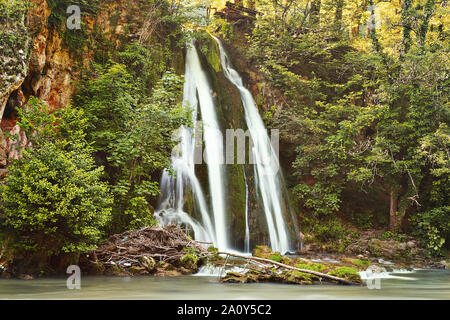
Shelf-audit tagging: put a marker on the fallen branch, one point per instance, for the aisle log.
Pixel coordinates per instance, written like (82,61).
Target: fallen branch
(316,273)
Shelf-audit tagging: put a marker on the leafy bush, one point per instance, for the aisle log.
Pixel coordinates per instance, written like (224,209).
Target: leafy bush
(52,199)
(363,220)
(433,228)
(388,235)
(332,230)
(131,134)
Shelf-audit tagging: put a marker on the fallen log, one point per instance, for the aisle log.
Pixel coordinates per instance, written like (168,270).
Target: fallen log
(316,273)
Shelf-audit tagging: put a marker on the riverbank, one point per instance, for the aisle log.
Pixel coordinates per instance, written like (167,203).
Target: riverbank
(168,252)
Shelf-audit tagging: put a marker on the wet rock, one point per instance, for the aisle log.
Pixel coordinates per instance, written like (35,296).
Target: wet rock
(116,270)
(97,269)
(235,277)
(262,252)
(3,151)
(148,263)
(135,270)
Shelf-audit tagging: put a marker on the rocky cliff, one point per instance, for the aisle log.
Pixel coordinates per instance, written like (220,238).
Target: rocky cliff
(40,57)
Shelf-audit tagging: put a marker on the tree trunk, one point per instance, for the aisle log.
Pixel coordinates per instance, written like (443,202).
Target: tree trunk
(338,14)
(406,23)
(393,214)
(428,12)
(315,11)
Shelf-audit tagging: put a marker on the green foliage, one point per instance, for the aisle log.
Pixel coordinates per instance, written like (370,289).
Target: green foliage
(361,263)
(363,220)
(52,199)
(131,131)
(12,10)
(366,113)
(191,258)
(146,65)
(76,40)
(327,232)
(434,229)
(388,235)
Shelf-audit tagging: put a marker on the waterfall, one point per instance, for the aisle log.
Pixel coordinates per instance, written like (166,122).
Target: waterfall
(247,228)
(197,92)
(212,224)
(268,177)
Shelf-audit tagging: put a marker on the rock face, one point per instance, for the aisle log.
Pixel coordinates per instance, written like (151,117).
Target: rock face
(15,47)
(36,60)
(15,44)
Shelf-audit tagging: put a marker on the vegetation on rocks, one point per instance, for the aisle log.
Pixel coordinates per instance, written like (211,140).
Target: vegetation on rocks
(360,96)
(53,201)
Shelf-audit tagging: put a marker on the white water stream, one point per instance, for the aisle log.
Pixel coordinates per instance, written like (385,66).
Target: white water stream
(198,94)
(266,161)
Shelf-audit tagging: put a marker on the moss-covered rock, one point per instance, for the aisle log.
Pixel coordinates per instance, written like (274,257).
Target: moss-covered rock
(298,277)
(116,270)
(190,262)
(313,266)
(262,252)
(97,269)
(148,263)
(358,263)
(135,270)
(348,273)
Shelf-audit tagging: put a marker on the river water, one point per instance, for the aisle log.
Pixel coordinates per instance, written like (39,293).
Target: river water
(420,284)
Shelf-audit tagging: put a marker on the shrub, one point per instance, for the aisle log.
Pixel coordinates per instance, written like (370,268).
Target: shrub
(433,228)
(333,230)
(52,199)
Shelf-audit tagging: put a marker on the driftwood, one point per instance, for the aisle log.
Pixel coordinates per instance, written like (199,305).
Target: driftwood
(285,266)
(167,244)
(170,244)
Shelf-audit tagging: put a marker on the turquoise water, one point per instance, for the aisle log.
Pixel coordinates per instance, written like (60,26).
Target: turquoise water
(422,284)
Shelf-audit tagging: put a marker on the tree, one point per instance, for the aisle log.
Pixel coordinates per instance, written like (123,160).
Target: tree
(359,110)
(130,127)
(52,201)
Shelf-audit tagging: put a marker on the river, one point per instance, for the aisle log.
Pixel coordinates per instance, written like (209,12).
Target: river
(420,284)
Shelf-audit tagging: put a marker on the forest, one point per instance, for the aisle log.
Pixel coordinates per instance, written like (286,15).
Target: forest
(358,90)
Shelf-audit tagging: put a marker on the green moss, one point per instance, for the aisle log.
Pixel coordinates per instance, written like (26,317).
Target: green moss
(312,266)
(276,257)
(298,277)
(361,263)
(286,260)
(210,49)
(212,249)
(190,260)
(348,273)
(262,252)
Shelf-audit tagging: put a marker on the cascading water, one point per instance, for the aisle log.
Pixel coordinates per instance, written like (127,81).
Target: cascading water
(213,223)
(172,187)
(247,228)
(197,91)
(266,162)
